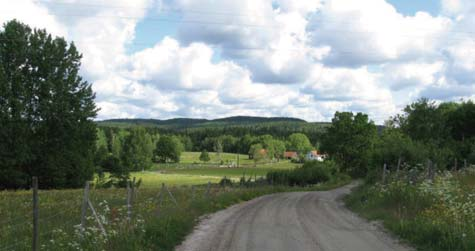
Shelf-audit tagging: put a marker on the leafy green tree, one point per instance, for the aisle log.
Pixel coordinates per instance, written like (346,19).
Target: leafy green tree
(169,148)
(423,121)
(218,148)
(275,148)
(229,143)
(395,148)
(245,142)
(46,111)
(137,150)
(119,173)
(187,143)
(257,153)
(204,156)
(349,140)
(299,142)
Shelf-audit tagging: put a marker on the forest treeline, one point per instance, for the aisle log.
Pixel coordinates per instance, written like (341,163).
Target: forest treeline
(442,133)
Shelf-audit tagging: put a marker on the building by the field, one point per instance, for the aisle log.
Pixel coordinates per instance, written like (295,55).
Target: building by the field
(315,155)
(290,155)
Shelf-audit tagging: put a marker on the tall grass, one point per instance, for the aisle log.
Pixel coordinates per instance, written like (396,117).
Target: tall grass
(154,225)
(434,214)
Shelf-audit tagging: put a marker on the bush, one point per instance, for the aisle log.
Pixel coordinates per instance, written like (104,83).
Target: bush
(312,172)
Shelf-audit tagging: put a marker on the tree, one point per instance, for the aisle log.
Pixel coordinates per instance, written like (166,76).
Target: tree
(423,121)
(187,143)
(395,148)
(257,153)
(218,148)
(137,150)
(169,148)
(349,140)
(275,148)
(204,156)
(101,153)
(46,111)
(299,142)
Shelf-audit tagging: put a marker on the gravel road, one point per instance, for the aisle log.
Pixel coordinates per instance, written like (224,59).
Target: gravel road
(290,221)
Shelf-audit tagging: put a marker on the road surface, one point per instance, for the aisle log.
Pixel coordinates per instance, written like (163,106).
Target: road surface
(300,221)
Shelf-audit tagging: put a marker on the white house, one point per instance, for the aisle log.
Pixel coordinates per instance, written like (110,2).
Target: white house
(314,155)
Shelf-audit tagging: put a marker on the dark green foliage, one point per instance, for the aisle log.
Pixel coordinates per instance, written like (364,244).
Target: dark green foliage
(204,156)
(312,172)
(393,145)
(119,173)
(169,148)
(350,141)
(137,150)
(423,121)
(46,111)
(236,134)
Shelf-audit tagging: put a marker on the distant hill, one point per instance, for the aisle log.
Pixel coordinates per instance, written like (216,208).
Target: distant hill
(184,123)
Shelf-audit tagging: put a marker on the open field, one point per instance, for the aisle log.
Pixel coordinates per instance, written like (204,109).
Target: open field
(259,170)
(154,224)
(201,175)
(187,173)
(155,179)
(194,157)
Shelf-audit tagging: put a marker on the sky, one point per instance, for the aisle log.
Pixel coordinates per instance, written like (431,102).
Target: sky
(306,59)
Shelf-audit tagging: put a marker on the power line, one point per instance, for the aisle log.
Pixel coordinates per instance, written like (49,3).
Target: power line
(237,24)
(223,13)
(207,12)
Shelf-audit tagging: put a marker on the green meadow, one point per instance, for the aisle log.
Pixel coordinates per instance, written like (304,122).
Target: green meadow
(191,171)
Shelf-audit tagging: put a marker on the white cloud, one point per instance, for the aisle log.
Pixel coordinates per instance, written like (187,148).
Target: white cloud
(303,59)
(35,15)
(372,31)
(412,75)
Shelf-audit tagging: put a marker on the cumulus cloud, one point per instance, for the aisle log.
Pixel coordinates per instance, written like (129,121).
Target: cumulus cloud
(373,32)
(303,59)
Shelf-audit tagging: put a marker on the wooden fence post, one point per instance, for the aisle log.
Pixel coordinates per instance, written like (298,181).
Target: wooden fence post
(171,196)
(455,165)
(97,218)
(207,189)
(84,206)
(384,173)
(129,206)
(465,164)
(35,214)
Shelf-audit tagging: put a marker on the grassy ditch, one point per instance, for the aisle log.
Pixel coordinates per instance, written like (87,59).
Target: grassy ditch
(434,214)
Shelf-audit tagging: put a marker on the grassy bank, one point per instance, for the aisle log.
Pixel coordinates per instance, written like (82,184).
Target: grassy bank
(155,224)
(431,215)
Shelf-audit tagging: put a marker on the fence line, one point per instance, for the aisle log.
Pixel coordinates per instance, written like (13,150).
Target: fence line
(205,191)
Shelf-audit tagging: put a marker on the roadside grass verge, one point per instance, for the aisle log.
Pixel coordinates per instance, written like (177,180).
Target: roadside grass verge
(155,224)
(431,215)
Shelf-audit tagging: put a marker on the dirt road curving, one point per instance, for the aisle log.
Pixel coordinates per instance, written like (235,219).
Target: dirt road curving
(290,221)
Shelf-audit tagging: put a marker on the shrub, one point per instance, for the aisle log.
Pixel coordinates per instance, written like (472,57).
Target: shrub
(312,172)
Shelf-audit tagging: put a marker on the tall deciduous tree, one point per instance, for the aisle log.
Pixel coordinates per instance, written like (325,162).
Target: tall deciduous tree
(204,156)
(300,143)
(137,150)
(169,148)
(46,111)
(350,141)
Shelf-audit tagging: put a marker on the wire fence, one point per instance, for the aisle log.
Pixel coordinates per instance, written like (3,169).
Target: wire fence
(93,214)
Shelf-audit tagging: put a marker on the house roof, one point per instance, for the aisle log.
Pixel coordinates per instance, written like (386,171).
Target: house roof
(290,154)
